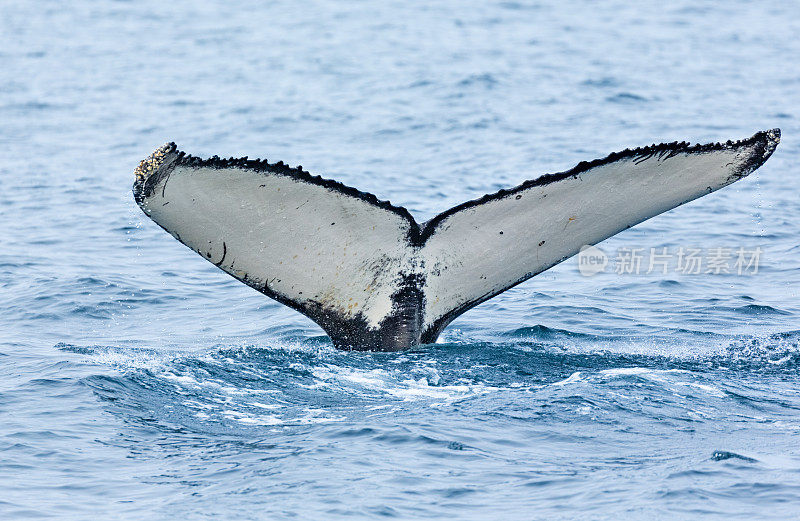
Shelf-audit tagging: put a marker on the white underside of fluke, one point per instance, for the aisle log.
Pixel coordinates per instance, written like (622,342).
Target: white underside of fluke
(343,257)
(303,241)
(480,251)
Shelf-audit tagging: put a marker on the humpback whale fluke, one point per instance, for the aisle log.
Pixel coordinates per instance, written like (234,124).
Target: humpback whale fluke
(370,275)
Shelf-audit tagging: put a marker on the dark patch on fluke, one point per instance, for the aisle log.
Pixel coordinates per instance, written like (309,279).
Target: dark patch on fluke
(403,327)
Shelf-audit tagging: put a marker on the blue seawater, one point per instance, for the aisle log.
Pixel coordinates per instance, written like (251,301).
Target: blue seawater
(137,381)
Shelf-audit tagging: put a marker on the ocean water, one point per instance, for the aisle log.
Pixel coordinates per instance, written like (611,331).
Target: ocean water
(137,381)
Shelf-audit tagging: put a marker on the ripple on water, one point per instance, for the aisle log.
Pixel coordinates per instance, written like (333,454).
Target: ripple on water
(179,392)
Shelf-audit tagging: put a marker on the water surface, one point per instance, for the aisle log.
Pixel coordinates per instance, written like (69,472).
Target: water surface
(137,380)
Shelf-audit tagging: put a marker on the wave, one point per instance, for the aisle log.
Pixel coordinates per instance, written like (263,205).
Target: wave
(295,384)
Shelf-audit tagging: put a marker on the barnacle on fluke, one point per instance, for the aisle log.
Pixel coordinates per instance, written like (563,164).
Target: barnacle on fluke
(152,162)
(377,279)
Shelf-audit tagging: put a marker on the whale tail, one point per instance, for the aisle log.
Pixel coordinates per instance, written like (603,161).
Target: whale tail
(370,275)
